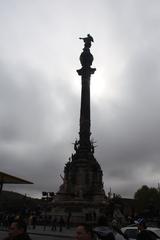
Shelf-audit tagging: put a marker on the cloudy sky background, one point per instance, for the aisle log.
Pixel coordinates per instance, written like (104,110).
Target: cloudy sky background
(40,90)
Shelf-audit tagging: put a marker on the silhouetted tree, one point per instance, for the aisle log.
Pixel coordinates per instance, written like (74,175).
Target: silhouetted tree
(147,200)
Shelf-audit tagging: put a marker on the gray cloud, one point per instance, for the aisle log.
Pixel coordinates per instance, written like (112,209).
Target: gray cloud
(40,90)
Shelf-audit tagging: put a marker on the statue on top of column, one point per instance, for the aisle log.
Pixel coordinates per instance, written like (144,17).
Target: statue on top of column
(87,40)
(86,58)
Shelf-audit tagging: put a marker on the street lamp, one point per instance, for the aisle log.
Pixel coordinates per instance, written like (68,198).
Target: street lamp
(48,196)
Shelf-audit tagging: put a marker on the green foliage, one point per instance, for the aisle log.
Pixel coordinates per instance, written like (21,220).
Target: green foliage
(147,199)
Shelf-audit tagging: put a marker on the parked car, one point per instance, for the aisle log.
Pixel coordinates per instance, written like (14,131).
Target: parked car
(131,232)
(103,232)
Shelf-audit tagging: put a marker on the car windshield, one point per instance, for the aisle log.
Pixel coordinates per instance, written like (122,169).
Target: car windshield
(131,233)
(157,231)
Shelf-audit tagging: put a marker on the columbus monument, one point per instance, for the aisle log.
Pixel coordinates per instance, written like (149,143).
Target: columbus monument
(82,194)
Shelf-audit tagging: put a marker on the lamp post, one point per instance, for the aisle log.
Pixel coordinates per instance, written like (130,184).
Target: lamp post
(47,197)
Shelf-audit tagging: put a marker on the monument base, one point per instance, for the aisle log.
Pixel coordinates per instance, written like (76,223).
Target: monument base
(78,211)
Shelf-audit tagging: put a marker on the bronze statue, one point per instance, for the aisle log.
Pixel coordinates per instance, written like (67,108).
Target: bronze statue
(87,40)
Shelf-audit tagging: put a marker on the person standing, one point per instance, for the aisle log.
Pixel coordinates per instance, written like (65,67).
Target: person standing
(84,232)
(142,228)
(54,224)
(61,224)
(17,231)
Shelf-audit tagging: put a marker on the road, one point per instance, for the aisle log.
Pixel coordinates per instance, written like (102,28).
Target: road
(35,237)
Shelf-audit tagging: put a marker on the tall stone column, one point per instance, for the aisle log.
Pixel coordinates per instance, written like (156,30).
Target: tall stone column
(86,59)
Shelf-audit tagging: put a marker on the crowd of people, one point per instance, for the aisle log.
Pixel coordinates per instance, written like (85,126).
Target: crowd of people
(32,221)
(17,230)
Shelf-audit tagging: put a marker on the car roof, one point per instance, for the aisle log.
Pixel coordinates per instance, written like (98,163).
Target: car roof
(134,227)
(152,229)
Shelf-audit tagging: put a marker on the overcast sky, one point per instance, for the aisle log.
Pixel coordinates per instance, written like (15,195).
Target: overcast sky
(40,90)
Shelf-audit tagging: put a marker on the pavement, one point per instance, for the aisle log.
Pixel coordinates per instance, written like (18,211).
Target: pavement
(39,230)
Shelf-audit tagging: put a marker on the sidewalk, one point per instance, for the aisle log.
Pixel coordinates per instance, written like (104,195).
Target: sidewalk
(66,233)
(39,230)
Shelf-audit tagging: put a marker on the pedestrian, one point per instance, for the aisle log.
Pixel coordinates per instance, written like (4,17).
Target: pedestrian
(30,221)
(61,224)
(18,231)
(34,221)
(143,234)
(84,232)
(68,222)
(54,224)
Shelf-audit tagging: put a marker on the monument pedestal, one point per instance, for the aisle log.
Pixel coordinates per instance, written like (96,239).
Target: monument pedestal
(81,194)
(80,211)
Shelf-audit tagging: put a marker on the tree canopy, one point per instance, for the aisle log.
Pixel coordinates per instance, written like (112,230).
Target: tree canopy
(147,200)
